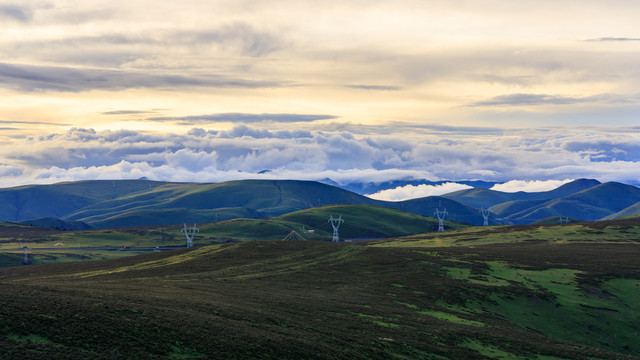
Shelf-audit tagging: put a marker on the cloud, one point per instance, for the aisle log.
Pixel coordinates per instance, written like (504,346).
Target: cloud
(529,100)
(16,12)
(608,39)
(413,192)
(539,159)
(69,79)
(32,123)
(126,112)
(243,118)
(375,87)
(529,186)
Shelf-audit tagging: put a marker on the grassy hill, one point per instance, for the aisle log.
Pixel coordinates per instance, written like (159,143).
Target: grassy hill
(261,198)
(456,211)
(105,204)
(590,204)
(58,200)
(632,210)
(478,197)
(360,221)
(528,292)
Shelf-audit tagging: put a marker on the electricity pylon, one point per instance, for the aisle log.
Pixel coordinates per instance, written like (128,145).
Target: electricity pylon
(26,259)
(335,224)
(563,220)
(485,214)
(441,214)
(190,232)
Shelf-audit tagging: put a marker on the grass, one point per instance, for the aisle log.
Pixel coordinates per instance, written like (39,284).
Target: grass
(527,292)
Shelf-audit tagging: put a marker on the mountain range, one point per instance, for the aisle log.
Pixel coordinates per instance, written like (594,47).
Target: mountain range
(105,203)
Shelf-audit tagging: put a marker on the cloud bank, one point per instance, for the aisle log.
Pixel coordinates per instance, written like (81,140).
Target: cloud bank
(413,192)
(529,186)
(540,159)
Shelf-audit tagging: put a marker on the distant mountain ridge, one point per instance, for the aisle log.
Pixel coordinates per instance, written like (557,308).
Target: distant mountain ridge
(104,204)
(119,203)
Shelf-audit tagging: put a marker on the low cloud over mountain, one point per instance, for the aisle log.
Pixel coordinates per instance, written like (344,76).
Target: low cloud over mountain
(343,156)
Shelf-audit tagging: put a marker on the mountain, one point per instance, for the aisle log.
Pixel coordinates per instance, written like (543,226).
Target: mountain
(103,204)
(54,223)
(632,210)
(455,210)
(258,198)
(58,200)
(479,197)
(591,204)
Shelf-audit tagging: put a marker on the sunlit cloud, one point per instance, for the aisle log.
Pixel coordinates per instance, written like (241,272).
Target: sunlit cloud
(529,186)
(344,90)
(417,191)
(540,161)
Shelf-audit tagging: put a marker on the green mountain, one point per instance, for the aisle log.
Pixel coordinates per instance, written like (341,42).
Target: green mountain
(507,292)
(58,200)
(478,197)
(56,224)
(247,198)
(632,210)
(104,204)
(455,210)
(591,204)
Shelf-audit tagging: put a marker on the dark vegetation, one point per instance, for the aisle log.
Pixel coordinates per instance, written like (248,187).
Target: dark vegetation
(564,291)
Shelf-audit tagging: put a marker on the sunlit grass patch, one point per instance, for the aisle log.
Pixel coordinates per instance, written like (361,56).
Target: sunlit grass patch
(491,351)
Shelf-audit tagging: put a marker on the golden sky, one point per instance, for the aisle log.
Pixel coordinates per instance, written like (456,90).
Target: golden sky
(370,68)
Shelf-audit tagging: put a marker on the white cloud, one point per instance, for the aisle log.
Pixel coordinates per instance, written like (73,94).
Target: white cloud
(413,192)
(535,158)
(529,186)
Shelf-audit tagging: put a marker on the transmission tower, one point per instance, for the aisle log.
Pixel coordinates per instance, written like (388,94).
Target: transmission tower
(441,214)
(485,215)
(26,259)
(563,220)
(335,224)
(293,235)
(190,232)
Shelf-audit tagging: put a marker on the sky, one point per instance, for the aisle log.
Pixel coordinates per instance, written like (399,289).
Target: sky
(533,93)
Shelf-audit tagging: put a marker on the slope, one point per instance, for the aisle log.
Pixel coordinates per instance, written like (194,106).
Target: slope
(269,198)
(486,198)
(58,200)
(399,298)
(632,210)
(455,210)
(590,204)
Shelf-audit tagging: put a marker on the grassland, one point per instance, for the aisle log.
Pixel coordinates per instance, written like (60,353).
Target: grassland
(361,222)
(565,291)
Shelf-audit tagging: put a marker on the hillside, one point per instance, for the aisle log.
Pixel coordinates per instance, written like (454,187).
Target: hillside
(479,197)
(633,210)
(591,204)
(530,292)
(105,204)
(58,200)
(360,222)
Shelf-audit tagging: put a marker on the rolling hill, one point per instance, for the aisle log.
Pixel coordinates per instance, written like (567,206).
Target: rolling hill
(527,292)
(591,204)
(58,200)
(479,197)
(104,204)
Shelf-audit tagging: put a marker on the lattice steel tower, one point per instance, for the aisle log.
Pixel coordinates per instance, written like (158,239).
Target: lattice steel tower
(190,232)
(485,215)
(441,214)
(335,224)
